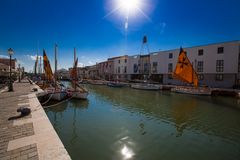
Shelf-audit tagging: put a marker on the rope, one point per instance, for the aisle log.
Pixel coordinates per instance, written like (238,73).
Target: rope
(48,99)
(45,107)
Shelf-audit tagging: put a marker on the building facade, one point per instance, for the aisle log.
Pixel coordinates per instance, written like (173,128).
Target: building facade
(217,65)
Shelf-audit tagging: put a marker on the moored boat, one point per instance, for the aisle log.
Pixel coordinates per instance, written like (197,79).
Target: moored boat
(115,84)
(51,87)
(146,87)
(185,72)
(56,94)
(192,90)
(77,91)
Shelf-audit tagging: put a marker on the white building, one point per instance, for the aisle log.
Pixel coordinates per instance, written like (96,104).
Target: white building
(120,67)
(217,65)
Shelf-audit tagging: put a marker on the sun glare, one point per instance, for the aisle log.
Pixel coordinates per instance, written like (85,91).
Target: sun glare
(128,6)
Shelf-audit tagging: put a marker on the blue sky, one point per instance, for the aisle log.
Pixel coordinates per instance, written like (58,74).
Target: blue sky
(26,25)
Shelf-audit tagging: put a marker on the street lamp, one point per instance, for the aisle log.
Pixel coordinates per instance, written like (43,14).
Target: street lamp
(10,52)
(19,70)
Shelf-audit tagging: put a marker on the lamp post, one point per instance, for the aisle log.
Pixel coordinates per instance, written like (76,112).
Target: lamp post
(19,70)
(10,52)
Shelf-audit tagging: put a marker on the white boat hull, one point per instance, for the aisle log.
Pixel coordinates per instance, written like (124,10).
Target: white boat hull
(193,91)
(79,95)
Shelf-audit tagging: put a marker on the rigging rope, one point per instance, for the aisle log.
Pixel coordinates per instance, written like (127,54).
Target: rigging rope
(45,107)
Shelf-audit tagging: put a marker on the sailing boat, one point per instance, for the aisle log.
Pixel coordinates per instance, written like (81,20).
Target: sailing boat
(184,72)
(53,88)
(78,91)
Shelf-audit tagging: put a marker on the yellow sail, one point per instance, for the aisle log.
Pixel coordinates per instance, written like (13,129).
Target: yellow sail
(47,67)
(184,70)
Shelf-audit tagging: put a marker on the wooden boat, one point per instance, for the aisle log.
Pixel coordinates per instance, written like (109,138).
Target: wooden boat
(57,92)
(78,91)
(115,84)
(143,86)
(184,72)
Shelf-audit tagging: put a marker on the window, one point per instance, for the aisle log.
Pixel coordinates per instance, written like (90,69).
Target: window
(154,68)
(146,68)
(200,77)
(219,77)
(135,68)
(219,65)
(220,50)
(118,69)
(170,67)
(170,56)
(119,61)
(125,69)
(125,60)
(200,66)
(200,52)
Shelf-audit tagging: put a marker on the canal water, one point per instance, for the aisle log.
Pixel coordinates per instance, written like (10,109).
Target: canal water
(123,123)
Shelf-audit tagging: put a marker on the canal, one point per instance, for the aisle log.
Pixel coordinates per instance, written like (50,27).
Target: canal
(123,123)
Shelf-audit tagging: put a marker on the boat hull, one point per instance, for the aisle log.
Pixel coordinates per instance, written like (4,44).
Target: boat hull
(116,85)
(193,91)
(59,96)
(149,87)
(56,94)
(79,95)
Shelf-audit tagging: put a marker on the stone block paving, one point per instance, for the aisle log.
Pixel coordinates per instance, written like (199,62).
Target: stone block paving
(9,102)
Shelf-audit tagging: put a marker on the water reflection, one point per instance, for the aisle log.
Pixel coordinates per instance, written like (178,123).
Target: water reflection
(127,152)
(182,113)
(132,124)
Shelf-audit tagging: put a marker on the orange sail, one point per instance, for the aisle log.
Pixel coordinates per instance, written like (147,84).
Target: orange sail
(184,70)
(47,67)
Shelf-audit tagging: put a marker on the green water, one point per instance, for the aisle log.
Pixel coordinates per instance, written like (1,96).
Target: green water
(123,123)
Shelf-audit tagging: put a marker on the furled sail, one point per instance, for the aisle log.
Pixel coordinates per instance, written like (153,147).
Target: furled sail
(184,70)
(47,67)
(74,71)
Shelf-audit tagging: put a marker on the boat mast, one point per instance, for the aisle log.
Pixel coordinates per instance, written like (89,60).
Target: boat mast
(55,66)
(40,66)
(75,76)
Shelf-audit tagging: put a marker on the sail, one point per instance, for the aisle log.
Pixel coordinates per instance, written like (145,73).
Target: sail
(47,67)
(74,71)
(184,70)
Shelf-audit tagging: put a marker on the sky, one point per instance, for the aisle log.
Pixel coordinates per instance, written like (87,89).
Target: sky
(99,29)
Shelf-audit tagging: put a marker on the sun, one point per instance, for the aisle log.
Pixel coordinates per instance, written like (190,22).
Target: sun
(128,6)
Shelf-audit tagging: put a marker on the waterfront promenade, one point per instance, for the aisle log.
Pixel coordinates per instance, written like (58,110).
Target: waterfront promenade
(31,137)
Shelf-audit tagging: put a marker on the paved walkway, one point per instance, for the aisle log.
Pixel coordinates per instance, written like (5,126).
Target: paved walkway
(31,137)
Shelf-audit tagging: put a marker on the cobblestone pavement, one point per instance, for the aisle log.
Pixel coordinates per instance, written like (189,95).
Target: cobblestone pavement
(9,102)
